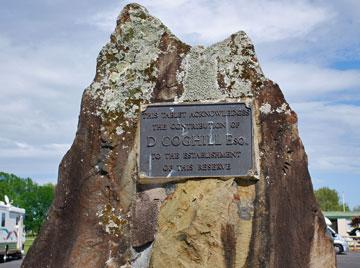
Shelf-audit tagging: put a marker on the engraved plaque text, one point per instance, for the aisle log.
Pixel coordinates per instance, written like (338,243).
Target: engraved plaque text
(202,140)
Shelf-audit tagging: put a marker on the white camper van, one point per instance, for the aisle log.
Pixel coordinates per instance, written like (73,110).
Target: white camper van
(12,233)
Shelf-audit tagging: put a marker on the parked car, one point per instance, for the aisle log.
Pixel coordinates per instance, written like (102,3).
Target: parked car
(355,232)
(340,244)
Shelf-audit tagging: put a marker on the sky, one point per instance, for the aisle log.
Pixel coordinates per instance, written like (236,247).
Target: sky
(48,51)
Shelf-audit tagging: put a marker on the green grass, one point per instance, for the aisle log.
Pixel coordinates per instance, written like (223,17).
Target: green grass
(29,241)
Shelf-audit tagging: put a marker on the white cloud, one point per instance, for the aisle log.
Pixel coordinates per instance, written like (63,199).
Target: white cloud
(4,42)
(44,69)
(19,149)
(331,135)
(105,20)
(40,94)
(309,81)
(205,22)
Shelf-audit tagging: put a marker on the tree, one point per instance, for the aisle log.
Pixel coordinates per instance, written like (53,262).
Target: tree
(329,200)
(356,208)
(35,199)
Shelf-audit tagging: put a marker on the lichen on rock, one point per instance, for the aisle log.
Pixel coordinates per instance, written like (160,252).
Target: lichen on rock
(126,71)
(223,70)
(112,221)
(265,108)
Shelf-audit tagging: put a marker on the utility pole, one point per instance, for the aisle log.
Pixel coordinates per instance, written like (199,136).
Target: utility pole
(343,201)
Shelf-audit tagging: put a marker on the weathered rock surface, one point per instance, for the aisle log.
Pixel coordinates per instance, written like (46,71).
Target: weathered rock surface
(103,217)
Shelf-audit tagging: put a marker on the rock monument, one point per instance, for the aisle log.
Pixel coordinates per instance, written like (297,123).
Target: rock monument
(184,157)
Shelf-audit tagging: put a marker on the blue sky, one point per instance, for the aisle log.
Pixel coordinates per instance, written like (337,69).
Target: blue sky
(311,49)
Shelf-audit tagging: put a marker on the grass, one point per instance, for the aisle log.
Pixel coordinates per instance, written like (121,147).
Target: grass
(29,241)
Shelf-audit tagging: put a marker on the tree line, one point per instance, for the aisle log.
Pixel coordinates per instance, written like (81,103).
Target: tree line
(25,193)
(329,200)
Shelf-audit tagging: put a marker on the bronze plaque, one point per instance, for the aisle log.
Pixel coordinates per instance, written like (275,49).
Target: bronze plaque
(195,140)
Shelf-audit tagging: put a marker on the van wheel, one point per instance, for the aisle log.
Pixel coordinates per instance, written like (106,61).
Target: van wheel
(6,253)
(4,257)
(338,249)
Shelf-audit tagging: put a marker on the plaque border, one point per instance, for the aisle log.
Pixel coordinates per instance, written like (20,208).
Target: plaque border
(251,174)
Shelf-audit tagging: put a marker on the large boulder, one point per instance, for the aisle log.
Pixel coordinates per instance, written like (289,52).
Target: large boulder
(103,216)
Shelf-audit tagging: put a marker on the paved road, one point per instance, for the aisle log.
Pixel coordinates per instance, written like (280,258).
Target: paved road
(11,264)
(351,260)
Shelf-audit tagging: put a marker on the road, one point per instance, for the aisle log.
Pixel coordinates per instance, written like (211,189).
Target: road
(351,260)
(11,264)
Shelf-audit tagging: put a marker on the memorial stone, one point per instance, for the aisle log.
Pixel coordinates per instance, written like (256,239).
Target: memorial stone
(184,157)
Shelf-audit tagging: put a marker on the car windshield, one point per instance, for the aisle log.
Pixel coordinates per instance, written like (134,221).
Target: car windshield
(330,233)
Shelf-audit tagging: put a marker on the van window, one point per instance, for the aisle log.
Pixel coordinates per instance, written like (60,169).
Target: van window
(2,219)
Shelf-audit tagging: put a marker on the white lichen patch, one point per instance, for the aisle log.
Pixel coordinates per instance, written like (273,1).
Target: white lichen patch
(230,61)
(199,76)
(265,108)
(283,109)
(119,131)
(126,66)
